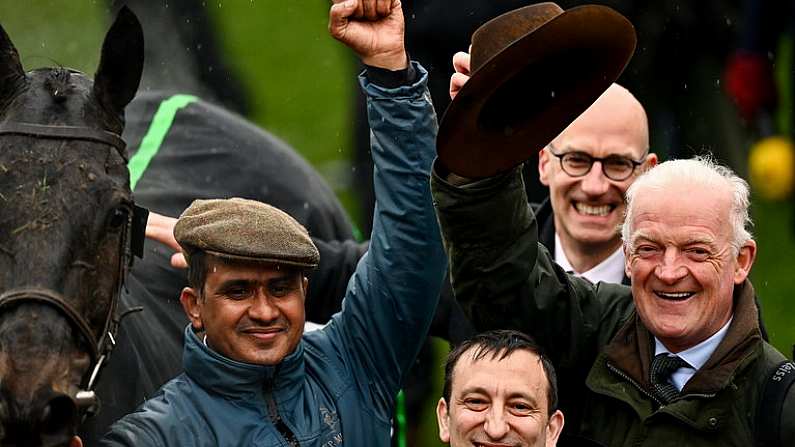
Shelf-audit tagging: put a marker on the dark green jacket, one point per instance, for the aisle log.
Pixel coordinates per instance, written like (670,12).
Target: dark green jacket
(505,279)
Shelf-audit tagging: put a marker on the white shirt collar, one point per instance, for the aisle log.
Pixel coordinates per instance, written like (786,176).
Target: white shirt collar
(610,270)
(696,356)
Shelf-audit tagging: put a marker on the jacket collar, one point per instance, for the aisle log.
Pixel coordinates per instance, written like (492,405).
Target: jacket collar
(238,380)
(633,341)
(546,229)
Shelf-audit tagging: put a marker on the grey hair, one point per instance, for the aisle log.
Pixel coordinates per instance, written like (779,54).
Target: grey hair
(700,172)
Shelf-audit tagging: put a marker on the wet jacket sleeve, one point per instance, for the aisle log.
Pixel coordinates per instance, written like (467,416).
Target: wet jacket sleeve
(505,279)
(327,284)
(393,293)
(126,433)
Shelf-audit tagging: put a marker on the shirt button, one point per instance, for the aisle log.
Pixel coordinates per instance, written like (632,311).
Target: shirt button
(713,422)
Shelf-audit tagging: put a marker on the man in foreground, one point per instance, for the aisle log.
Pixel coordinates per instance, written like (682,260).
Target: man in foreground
(499,390)
(251,377)
(678,359)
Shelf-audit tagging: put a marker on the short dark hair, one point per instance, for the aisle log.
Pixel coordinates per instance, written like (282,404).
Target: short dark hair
(197,270)
(500,344)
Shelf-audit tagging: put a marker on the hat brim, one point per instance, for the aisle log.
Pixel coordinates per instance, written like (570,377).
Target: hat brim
(524,96)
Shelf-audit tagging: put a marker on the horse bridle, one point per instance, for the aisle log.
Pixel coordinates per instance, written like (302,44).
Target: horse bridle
(130,246)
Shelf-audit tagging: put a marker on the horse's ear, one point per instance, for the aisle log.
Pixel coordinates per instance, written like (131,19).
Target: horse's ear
(121,63)
(10,68)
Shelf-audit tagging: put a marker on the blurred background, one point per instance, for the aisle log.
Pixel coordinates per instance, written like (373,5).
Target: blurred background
(714,76)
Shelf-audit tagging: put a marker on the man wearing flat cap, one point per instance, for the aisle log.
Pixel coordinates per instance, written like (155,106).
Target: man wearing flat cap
(251,376)
(677,359)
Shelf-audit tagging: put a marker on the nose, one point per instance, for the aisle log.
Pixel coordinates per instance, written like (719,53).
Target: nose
(46,422)
(594,183)
(496,426)
(262,308)
(670,269)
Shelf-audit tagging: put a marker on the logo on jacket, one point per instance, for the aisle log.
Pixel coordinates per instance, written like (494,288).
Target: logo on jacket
(330,418)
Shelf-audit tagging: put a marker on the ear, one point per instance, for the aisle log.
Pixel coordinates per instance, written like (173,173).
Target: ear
(443,419)
(745,260)
(121,63)
(544,167)
(554,427)
(627,267)
(650,162)
(190,300)
(305,284)
(10,68)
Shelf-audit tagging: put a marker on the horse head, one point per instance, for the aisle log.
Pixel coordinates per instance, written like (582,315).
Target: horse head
(65,230)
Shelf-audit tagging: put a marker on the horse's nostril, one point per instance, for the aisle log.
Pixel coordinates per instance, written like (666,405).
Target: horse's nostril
(58,415)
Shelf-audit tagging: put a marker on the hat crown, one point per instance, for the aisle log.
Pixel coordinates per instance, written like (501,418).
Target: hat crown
(499,33)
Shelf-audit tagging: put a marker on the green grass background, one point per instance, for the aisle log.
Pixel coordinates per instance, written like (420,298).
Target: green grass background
(300,81)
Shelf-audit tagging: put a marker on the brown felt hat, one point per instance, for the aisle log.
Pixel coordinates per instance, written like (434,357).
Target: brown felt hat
(534,70)
(245,230)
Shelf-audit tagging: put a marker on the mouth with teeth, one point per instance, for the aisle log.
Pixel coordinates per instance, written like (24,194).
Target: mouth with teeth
(674,296)
(593,210)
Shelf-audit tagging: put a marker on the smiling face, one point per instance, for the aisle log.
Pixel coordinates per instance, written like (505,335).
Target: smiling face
(498,402)
(588,209)
(251,312)
(682,264)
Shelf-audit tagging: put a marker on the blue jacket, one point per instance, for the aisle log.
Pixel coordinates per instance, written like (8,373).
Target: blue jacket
(339,386)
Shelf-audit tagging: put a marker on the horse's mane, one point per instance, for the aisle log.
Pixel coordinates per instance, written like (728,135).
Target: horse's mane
(57,83)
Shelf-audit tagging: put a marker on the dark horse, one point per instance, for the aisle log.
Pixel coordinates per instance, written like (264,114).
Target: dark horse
(65,232)
(66,203)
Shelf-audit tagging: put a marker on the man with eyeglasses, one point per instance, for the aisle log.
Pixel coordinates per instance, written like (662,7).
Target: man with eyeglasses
(588,169)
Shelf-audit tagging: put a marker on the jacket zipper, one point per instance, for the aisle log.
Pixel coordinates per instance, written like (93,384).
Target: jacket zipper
(637,385)
(276,419)
(634,383)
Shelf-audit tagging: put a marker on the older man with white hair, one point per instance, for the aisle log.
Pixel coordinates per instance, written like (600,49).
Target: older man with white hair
(678,359)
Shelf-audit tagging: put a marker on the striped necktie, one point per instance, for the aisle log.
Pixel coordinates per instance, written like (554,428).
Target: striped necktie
(662,367)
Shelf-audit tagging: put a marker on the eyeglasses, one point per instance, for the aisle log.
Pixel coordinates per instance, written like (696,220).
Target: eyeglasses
(614,167)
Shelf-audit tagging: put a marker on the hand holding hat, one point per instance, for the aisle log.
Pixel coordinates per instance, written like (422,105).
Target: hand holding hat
(461,63)
(374,29)
(532,72)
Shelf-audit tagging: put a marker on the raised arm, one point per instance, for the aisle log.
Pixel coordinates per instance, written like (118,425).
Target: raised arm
(391,298)
(504,279)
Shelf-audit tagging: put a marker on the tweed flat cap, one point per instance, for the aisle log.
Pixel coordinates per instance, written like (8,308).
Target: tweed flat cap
(246,230)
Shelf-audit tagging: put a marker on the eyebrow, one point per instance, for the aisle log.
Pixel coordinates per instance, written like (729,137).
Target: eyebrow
(253,282)
(640,235)
(572,149)
(514,395)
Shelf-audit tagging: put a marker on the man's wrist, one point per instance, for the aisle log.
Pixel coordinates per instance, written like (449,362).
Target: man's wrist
(392,78)
(394,61)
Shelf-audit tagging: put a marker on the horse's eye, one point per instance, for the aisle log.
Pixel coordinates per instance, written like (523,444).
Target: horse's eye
(118,218)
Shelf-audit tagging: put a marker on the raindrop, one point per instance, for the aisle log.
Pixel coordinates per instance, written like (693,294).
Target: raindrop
(552,93)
